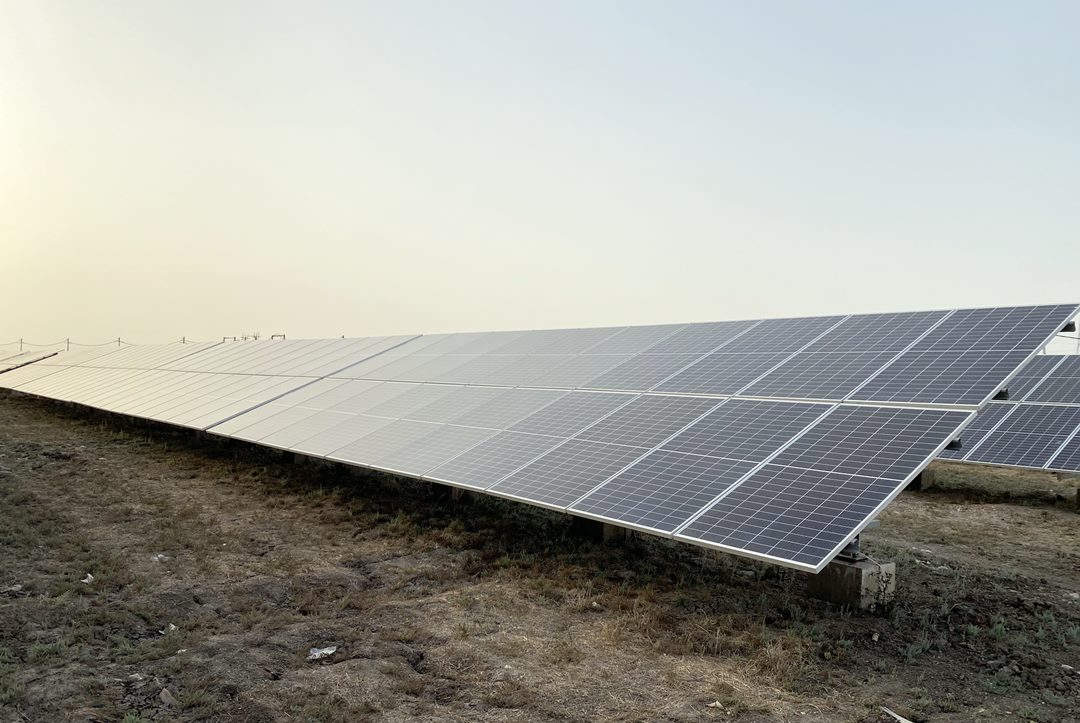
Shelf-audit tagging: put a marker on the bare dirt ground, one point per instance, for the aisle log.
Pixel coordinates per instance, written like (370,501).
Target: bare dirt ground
(216,568)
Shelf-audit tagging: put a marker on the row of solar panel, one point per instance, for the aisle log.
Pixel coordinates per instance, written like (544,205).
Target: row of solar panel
(957,358)
(948,358)
(652,462)
(1039,430)
(779,480)
(13,360)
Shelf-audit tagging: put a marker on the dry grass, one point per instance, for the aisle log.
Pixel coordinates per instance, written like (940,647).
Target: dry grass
(483,610)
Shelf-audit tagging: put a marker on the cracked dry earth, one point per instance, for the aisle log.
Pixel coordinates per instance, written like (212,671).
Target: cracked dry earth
(217,568)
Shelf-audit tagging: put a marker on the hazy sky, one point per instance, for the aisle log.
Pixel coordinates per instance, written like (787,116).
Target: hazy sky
(318,169)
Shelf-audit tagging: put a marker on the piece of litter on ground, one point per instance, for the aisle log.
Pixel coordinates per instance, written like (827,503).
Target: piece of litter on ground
(88,579)
(714,704)
(899,718)
(320,653)
(167,697)
(12,588)
(136,677)
(875,637)
(160,558)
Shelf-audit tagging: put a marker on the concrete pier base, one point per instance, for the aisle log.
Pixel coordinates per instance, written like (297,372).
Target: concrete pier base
(861,583)
(599,531)
(613,534)
(925,480)
(458,494)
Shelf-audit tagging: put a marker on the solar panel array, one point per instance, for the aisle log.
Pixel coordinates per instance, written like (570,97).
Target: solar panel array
(1038,429)
(776,439)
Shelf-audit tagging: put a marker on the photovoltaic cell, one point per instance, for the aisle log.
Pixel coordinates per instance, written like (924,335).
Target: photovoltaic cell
(382,442)
(974,433)
(819,375)
(700,338)
(746,429)
(460,401)
(1029,437)
(885,442)
(933,377)
(663,490)
(490,461)
(966,358)
(440,445)
(721,373)
(420,396)
(576,371)
(791,514)
(572,413)
(1062,385)
(869,333)
(1068,460)
(647,421)
(642,372)
(343,431)
(1029,377)
(633,339)
(527,369)
(509,407)
(567,472)
(1020,327)
(781,336)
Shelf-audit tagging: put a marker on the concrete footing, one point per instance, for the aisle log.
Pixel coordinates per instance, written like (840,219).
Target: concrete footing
(599,531)
(458,494)
(925,480)
(861,583)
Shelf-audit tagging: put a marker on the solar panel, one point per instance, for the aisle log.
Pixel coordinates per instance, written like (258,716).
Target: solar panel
(567,472)
(1032,374)
(663,490)
(943,377)
(967,357)
(572,413)
(777,439)
(815,494)
(490,461)
(974,433)
(1029,437)
(701,338)
(876,332)
(509,407)
(746,429)
(781,336)
(1033,428)
(339,433)
(576,371)
(641,372)
(819,375)
(788,513)
(633,339)
(1068,459)
(721,373)
(1062,384)
(433,449)
(647,421)
(885,442)
(382,442)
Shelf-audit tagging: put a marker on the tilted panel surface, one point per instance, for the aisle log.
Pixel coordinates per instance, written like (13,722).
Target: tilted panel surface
(1029,437)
